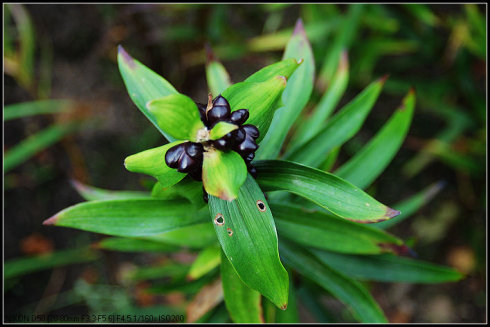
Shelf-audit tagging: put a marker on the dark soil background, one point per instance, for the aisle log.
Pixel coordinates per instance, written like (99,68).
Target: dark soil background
(83,39)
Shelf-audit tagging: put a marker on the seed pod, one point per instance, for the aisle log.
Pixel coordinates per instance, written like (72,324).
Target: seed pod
(186,164)
(173,155)
(202,113)
(217,114)
(222,144)
(253,171)
(238,117)
(247,146)
(251,131)
(194,150)
(249,157)
(239,135)
(221,101)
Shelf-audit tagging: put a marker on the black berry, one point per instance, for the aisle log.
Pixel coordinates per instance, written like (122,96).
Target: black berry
(240,116)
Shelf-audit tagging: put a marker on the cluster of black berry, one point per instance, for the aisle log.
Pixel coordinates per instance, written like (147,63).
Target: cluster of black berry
(188,157)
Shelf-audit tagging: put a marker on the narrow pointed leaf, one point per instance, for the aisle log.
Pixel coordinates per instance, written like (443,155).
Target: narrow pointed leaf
(260,98)
(152,162)
(242,302)
(409,206)
(362,169)
(207,260)
(327,190)
(291,314)
(177,115)
(338,129)
(91,193)
(128,244)
(143,85)
(323,231)
(26,265)
(221,129)
(347,290)
(295,96)
(35,143)
(284,68)
(316,120)
(223,173)
(217,77)
(40,107)
(388,268)
(247,234)
(195,236)
(136,217)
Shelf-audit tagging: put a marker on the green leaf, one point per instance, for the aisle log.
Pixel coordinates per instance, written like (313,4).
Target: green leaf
(217,77)
(348,291)
(187,188)
(388,268)
(134,217)
(195,236)
(152,162)
(143,85)
(223,173)
(26,109)
(342,41)
(242,302)
(291,314)
(260,98)
(368,163)
(295,96)
(327,190)
(247,234)
(127,244)
(284,68)
(207,260)
(338,129)
(316,120)
(409,206)
(221,129)
(177,115)
(91,193)
(26,265)
(317,229)
(35,143)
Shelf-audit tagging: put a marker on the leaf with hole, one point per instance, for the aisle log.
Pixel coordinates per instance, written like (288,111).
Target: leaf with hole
(248,237)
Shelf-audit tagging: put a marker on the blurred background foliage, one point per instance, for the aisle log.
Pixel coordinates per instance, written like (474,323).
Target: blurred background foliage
(67,116)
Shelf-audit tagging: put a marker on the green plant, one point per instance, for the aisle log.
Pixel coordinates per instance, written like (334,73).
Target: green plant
(321,218)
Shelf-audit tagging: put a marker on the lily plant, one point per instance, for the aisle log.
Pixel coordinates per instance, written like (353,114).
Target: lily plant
(225,152)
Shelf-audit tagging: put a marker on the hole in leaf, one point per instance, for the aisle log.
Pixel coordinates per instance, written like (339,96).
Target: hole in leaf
(261,205)
(219,219)
(230,232)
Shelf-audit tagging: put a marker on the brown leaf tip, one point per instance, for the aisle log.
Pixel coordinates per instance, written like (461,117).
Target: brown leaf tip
(51,221)
(344,61)
(299,27)
(383,78)
(284,306)
(282,79)
(126,57)
(390,213)
(210,57)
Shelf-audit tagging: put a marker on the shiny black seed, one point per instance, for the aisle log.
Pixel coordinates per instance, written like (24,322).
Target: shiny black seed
(239,116)
(222,144)
(194,150)
(247,146)
(221,101)
(187,164)
(239,135)
(174,154)
(218,113)
(251,131)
